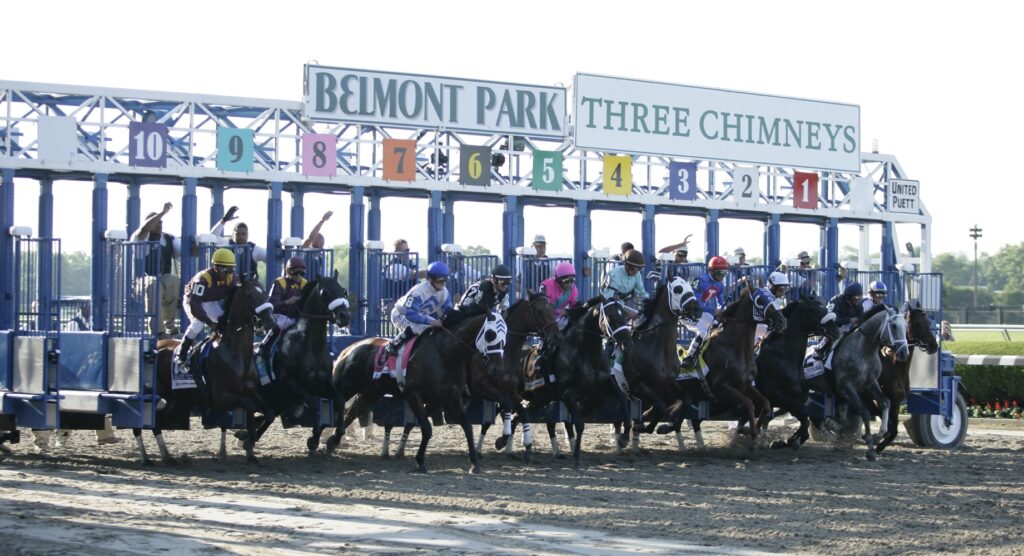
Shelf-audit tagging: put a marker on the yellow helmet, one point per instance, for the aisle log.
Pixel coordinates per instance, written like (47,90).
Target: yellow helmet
(224,257)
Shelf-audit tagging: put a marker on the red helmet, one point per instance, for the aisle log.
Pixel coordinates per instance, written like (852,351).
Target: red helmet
(718,263)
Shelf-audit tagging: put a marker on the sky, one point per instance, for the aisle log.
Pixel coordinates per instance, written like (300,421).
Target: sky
(933,86)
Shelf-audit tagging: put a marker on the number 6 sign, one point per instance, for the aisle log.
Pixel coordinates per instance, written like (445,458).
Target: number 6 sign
(682,181)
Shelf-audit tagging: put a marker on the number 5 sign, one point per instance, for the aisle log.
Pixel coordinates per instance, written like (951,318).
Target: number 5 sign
(320,154)
(805,190)
(682,181)
(400,159)
(547,170)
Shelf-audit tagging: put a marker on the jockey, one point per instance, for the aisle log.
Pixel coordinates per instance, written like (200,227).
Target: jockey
(561,290)
(203,297)
(624,282)
(421,308)
(773,292)
(877,292)
(489,293)
(848,310)
(284,296)
(709,293)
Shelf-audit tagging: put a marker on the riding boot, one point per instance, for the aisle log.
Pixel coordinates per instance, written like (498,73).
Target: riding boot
(264,348)
(391,349)
(690,360)
(183,349)
(821,350)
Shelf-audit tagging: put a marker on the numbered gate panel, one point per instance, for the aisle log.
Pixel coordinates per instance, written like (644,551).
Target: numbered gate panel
(315,412)
(34,398)
(714,411)
(394,412)
(5,359)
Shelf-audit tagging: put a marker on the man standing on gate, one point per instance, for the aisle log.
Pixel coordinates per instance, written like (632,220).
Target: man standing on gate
(240,237)
(160,272)
(315,240)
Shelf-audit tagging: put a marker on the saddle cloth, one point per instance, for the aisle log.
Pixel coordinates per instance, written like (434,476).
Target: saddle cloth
(814,367)
(396,365)
(533,372)
(264,365)
(185,378)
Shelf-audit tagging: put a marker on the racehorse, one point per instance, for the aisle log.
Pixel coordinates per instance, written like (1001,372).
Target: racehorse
(729,357)
(856,367)
(302,362)
(230,376)
(534,315)
(650,365)
(895,377)
(436,376)
(581,368)
(780,361)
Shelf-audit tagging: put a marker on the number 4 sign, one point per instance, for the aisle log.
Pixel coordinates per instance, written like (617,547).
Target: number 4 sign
(618,175)
(805,190)
(400,159)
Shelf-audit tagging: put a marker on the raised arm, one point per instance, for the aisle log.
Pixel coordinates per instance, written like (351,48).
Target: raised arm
(316,230)
(142,234)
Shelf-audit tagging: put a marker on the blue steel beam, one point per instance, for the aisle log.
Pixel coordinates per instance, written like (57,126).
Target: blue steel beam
(711,235)
(216,203)
(435,225)
(133,206)
(274,208)
(581,241)
(7,282)
(373,217)
(357,251)
(647,238)
(100,289)
(298,223)
(772,241)
(188,236)
(45,256)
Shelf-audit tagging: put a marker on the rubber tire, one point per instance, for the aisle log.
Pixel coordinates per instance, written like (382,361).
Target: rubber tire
(913,428)
(934,432)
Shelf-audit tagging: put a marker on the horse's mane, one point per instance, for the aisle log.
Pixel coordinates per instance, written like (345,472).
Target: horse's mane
(307,290)
(532,295)
(651,303)
(881,307)
(732,308)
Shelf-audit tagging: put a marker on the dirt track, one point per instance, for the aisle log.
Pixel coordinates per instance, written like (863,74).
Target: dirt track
(819,500)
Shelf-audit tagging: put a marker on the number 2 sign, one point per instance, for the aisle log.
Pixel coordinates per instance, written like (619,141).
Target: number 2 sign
(399,159)
(745,187)
(320,154)
(805,190)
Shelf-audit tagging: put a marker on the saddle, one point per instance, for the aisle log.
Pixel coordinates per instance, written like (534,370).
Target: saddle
(192,375)
(264,363)
(395,365)
(533,371)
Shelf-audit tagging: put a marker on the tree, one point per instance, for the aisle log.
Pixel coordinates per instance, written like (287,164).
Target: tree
(476,250)
(1006,269)
(76,273)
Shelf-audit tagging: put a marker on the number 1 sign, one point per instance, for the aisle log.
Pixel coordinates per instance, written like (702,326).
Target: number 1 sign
(399,159)
(805,190)
(320,154)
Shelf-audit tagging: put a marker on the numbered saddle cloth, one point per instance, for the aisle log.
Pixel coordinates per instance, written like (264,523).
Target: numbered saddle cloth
(814,367)
(183,378)
(534,375)
(395,365)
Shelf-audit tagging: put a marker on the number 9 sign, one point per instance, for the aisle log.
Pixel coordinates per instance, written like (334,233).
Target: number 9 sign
(234,149)
(320,154)
(682,181)
(746,189)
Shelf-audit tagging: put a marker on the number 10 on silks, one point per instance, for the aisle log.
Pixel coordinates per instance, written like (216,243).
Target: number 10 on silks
(682,181)
(234,149)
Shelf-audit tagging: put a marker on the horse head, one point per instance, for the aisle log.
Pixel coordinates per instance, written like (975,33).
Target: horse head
(821,321)
(894,334)
(253,305)
(681,300)
(539,318)
(335,297)
(614,322)
(919,328)
(490,341)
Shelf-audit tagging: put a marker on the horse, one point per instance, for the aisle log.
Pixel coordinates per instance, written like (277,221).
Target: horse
(729,357)
(231,379)
(533,315)
(302,363)
(856,367)
(650,364)
(582,370)
(780,361)
(895,377)
(436,376)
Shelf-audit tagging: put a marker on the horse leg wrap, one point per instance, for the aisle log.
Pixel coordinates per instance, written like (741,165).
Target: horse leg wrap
(699,438)
(385,444)
(679,441)
(506,423)
(527,434)
(555,449)
(164,452)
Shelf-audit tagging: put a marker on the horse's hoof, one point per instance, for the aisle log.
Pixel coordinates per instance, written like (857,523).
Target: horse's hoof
(664,429)
(622,441)
(241,434)
(420,469)
(778,445)
(475,469)
(312,444)
(528,456)
(170,461)
(147,463)
(500,442)
(871,456)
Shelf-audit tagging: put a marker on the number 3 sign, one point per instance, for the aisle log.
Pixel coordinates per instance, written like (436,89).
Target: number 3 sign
(682,181)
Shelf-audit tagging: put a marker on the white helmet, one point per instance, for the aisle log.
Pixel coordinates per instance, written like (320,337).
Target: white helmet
(777,279)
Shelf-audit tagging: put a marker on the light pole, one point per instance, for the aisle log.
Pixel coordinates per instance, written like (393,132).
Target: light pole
(975,233)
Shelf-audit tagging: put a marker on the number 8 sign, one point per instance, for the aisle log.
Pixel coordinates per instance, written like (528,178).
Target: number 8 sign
(320,154)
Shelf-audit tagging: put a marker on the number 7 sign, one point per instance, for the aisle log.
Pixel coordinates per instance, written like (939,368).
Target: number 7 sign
(805,190)
(400,159)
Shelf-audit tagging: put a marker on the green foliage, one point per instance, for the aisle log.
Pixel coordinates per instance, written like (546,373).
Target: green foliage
(476,250)
(1006,269)
(76,273)
(341,263)
(992,383)
(955,297)
(984,348)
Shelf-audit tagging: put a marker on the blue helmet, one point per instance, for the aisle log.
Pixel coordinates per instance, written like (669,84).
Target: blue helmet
(853,289)
(437,269)
(878,287)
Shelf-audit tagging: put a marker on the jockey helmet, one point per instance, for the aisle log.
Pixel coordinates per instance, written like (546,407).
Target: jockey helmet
(223,257)
(633,258)
(853,289)
(878,287)
(777,279)
(501,272)
(718,263)
(437,269)
(739,252)
(564,269)
(295,262)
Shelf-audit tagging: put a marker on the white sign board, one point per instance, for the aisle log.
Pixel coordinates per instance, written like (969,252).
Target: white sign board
(421,101)
(643,117)
(903,196)
(58,139)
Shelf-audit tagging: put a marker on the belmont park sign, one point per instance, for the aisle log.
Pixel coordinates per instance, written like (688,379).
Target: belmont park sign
(418,101)
(643,117)
(611,115)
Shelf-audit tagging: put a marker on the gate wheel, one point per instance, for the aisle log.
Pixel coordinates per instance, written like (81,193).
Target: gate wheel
(933,431)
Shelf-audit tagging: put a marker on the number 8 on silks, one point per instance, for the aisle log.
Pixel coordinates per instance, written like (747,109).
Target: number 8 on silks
(234,149)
